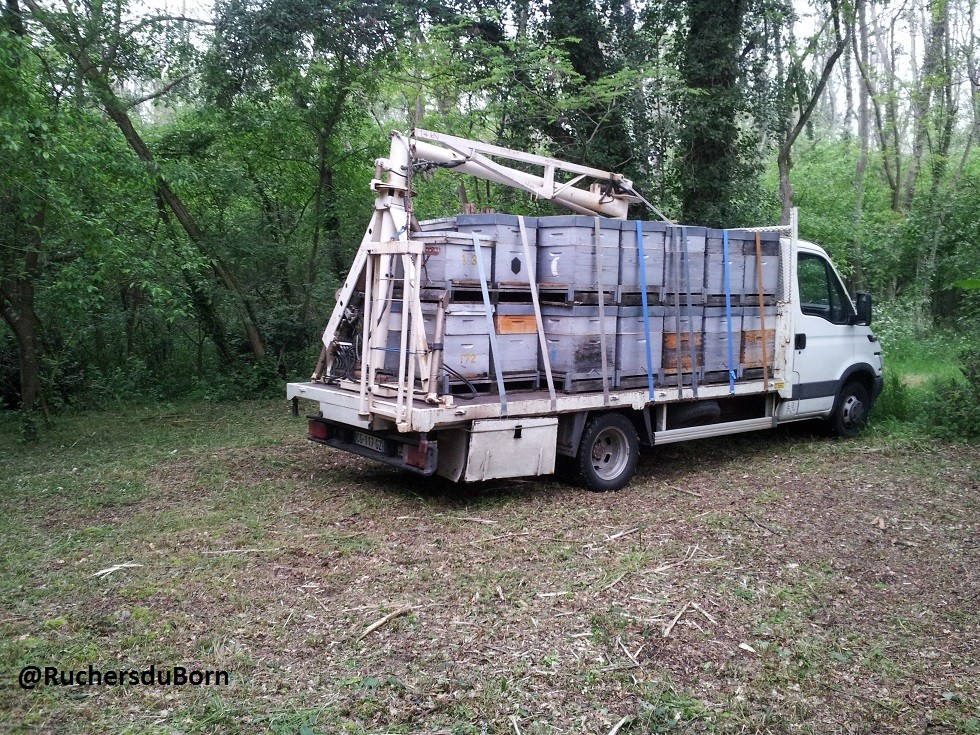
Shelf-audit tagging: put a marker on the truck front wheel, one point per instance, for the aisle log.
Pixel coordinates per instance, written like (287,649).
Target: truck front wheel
(851,410)
(608,453)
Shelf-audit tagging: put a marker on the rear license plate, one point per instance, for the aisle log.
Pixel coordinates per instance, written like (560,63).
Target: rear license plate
(371,442)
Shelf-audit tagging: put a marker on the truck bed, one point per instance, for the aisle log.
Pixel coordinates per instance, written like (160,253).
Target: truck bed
(343,403)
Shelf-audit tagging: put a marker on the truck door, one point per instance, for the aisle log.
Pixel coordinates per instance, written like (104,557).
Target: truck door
(824,339)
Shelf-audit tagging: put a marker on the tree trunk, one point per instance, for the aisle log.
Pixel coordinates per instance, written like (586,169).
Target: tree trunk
(888,129)
(849,113)
(785,163)
(18,311)
(923,94)
(785,159)
(12,18)
(710,162)
(926,266)
(185,218)
(207,314)
(938,80)
(332,226)
(311,263)
(861,52)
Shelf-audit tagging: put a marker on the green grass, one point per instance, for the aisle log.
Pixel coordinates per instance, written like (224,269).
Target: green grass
(134,437)
(927,385)
(917,361)
(340,542)
(78,502)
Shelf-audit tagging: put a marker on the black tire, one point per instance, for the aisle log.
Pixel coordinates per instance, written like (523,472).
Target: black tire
(850,411)
(608,453)
(683,415)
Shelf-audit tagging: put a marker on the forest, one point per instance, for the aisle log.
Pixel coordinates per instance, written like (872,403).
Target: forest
(182,189)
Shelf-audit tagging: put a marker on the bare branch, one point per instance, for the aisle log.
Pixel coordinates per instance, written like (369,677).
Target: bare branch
(149,20)
(159,93)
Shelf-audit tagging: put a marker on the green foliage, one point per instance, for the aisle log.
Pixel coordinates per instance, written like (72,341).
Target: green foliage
(932,382)
(895,404)
(928,389)
(259,379)
(823,178)
(952,407)
(666,710)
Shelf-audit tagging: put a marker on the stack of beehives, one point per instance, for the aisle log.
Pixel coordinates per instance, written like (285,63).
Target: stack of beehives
(584,267)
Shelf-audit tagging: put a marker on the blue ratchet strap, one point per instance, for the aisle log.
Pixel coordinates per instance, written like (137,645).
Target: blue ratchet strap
(728,314)
(646,308)
(488,308)
(690,317)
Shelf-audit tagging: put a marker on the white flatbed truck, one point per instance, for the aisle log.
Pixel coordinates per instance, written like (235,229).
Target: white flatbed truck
(825,362)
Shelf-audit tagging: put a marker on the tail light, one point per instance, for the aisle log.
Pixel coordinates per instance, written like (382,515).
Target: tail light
(417,456)
(320,430)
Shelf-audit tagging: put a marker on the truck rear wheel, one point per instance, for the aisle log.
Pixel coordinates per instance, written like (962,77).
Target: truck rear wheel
(608,453)
(851,410)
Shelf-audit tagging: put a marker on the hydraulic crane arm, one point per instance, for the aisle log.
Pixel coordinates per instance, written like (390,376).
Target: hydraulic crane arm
(610,194)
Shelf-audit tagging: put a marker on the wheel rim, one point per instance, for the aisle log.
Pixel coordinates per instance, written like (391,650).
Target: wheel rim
(852,411)
(610,453)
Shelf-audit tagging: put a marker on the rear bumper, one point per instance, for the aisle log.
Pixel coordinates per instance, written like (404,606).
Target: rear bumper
(413,453)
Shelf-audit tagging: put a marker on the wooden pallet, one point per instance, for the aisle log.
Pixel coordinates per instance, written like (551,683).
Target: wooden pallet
(558,294)
(469,294)
(580,382)
(697,298)
(637,380)
(755,373)
(739,300)
(635,298)
(713,377)
(488,386)
(670,380)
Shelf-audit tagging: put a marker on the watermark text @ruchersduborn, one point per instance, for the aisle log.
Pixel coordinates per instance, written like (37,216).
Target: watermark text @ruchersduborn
(32,677)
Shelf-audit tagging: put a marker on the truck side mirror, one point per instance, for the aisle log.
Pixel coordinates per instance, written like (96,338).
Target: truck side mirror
(863,309)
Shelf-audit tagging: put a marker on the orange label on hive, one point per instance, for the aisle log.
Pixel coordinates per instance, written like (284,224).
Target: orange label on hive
(515,324)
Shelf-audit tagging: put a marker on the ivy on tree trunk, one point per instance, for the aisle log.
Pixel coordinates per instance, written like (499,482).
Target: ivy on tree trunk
(710,164)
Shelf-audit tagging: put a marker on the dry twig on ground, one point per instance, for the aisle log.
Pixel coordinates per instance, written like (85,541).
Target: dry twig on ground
(386,619)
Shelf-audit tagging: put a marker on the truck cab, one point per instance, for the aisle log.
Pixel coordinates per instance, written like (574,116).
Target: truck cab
(836,362)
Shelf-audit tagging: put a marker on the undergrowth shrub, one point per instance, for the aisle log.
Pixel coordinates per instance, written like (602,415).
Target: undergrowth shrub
(252,379)
(895,402)
(894,323)
(951,408)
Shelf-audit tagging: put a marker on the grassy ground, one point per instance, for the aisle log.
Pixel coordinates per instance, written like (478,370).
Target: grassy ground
(916,361)
(776,582)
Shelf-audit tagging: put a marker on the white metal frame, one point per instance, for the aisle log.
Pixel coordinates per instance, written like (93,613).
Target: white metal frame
(784,312)
(386,244)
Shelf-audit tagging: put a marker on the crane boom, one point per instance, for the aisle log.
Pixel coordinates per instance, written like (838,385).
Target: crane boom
(610,194)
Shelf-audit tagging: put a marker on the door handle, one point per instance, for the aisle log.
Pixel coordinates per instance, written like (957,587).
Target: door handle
(800,342)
